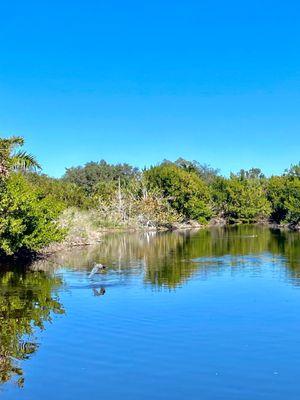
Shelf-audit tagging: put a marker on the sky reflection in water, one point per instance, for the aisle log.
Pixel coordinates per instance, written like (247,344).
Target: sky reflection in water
(199,314)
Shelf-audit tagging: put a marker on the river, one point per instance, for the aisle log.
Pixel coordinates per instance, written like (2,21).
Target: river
(208,314)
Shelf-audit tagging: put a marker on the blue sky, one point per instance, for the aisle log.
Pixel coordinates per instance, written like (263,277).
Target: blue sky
(140,81)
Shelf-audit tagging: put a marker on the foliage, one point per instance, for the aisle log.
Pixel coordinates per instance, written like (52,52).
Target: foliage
(284,195)
(253,173)
(12,159)
(204,171)
(241,199)
(100,195)
(292,202)
(27,218)
(293,171)
(276,194)
(186,192)
(153,210)
(135,208)
(69,194)
(89,176)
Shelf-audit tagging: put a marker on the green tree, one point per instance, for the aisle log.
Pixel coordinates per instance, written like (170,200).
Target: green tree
(69,194)
(277,194)
(27,218)
(284,195)
(204,171)
(241,199)
(13,159)
(293,171)
(292,196)
(93,173)
(185,191)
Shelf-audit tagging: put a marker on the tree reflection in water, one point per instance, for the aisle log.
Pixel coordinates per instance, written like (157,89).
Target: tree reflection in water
(27,302)
(165,257)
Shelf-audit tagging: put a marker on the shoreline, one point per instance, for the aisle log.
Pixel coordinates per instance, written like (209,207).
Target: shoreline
(27,257)
(56,247)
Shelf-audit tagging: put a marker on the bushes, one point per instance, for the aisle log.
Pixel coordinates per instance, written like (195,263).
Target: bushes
(135,209)
(88,176)
(101,195)
(27,219)
(292,202)
(185,191)
(66,193)
(241,200)
(284,195)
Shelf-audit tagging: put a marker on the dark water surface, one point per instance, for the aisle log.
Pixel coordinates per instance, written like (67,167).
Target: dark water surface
(213,314)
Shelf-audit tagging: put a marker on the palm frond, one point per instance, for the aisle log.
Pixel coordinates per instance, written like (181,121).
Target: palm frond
(25,161)
(10,143)
(16,140)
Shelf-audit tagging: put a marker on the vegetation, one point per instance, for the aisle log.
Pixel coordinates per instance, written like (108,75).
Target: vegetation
(36,210)
(12,159)
(93,173)
(28,215)
(242,198)
(185,191)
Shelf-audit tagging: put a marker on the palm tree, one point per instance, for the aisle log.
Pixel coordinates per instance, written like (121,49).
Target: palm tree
(12,159)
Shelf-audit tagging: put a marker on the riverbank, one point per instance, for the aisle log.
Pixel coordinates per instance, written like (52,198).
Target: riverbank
(87,237)
(82,229)
(83,233)
(37,210)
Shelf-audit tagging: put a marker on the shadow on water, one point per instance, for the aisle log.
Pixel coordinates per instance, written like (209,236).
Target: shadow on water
(29,297)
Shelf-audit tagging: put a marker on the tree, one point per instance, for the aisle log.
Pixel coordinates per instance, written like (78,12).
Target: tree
(69,194)
(241,200)
(185,191)
(292,202)
(284,195)
(276,194)
(204,171)
(12,159)
(293,171)
(91,174)
(27,218)
(253,173)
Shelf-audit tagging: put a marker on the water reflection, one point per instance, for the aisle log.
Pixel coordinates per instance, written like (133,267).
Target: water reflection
(27,301)
(99,292)
(29,298)
(168,259)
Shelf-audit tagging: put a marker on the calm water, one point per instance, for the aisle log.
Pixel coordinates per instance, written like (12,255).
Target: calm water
(213,314)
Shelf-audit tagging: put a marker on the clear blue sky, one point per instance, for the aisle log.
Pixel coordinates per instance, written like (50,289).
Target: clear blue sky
(140,81)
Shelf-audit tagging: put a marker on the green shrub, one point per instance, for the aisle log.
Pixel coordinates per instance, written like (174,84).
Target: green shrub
(185,191)
(284,195)
(292,201)
(241,200)
(70,194)
(27,219)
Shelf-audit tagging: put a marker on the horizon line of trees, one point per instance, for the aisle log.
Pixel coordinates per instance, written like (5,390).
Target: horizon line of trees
(120,195)
(195,191)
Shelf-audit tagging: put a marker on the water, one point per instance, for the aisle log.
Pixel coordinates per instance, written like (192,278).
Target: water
(212,314)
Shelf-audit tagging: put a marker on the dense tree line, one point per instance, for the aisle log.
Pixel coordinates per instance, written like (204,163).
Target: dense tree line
(120,195)
(198,192)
